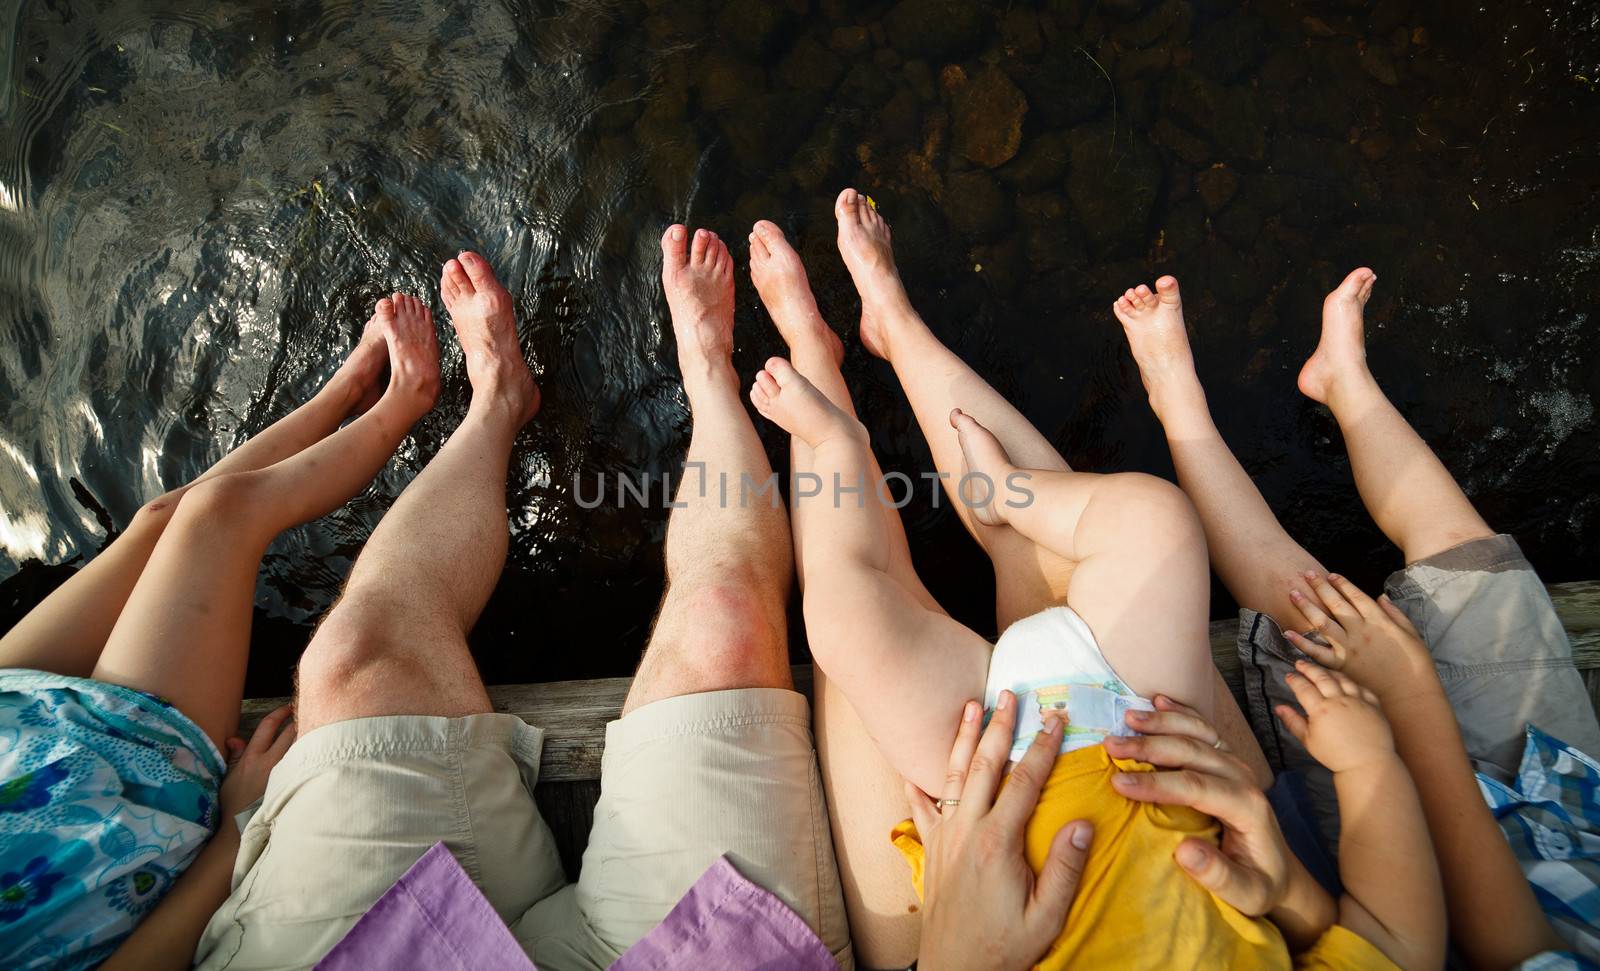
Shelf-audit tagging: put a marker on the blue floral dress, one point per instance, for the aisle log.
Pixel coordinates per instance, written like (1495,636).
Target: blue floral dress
(106,796)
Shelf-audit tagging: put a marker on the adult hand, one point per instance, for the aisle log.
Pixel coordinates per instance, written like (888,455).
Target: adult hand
(1370,640)
(983,908)
(1250,867)
(250,763)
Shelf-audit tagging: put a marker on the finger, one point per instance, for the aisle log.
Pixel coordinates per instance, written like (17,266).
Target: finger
(1304,691)
(983,772)
(1364,605)
(1333,601)
(1177,720)
(1398,616)
(923,812)
(1321,677)
(1314,616)
(1058,879)
(1346,683)
(962,751)
(1324,655)
(1015,805)
(1178,752)
(1370,698)
(1213,795)
(1164,703)
(1293,721)
(268,729)
(236,747)
(1247,890)
(285,739)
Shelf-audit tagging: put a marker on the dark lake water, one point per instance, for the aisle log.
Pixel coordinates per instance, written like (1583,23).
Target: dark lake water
(199,203)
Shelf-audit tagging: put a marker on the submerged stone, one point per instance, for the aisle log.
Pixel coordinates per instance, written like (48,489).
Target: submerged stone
(934,28)
(986,118)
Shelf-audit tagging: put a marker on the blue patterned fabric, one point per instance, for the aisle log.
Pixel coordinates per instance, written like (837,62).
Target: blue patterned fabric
(106,795)
(1550,813)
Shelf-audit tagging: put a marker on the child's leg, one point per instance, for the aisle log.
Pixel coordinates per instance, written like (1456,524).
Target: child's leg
(907,670)
(65,633)
(184,633)
(1407,490)
(1140,578)
(1027,579)
(1257,560)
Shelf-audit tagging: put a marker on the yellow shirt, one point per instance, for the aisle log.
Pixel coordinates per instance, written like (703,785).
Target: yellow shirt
(1134,907)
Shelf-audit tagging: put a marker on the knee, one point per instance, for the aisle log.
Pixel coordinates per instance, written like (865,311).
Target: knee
(351,646)
(1153,509)
(223,502)
(735,633)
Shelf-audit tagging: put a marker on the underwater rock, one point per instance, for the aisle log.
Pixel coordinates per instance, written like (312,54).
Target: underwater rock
(1041,163)
(1228,48)
(976,204)
(751,27)
(1380,66)
(900,118)
(1172,17)
(1113,184)
(1020,34)
(809,66)
(1002,265)
(938,29)
(1122,9)
(1185,226)
(1065,88)
(850,40)
(1216,187)
(986,118)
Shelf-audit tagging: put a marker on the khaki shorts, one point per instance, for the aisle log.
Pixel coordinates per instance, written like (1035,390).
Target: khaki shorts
(1499,647)
(683,781)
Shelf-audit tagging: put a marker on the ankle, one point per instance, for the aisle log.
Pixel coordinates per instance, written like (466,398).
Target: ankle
(1182,410)
(1353,389)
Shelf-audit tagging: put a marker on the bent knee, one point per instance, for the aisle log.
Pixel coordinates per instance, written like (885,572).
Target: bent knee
(1150,507)
(352,646)
(220,502)
(735,631)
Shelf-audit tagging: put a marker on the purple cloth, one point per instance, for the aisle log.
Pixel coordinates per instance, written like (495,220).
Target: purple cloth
(434,917)
(727,923)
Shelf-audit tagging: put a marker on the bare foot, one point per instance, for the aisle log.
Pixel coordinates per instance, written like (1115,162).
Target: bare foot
(698,279)
(406,326)
(360,377)
(1160,344)
(785,397)
(780,279)
(486,325)
(985,469)
(865,242)
(1341,355)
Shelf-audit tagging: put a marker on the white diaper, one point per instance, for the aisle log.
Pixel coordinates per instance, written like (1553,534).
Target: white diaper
(1051,662)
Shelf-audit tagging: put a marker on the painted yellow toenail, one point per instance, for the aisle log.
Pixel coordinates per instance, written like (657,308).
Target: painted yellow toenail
(871,202)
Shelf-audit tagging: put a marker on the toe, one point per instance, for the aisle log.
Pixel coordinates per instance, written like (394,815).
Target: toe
(456,276)
(782,371)
(477,270)
(385,308)
(758,248)
(759,398)
(697,252)
(766,384)
(846,204)
(674,246)
(770,235)
(1167,286)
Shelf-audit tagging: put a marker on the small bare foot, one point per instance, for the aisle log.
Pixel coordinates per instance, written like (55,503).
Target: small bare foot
(406,326)
(698,279)
(360,377)
(1160,344)
(486,325)
(866,244)
(785,397)
(780,279)
(1341,355)
(986,469)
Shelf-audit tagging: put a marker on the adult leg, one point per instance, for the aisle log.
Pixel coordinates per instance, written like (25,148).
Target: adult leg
(1140,578)
(66,632)
(1407,490)
(1257,560)
(936,381)
(185,631)
(722,621)
(396,642)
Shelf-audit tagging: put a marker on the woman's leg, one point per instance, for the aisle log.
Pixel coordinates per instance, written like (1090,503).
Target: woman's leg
(1027,578)
(1140,578)
(65,633)
(1257,560)
(1407,490)
(184,633)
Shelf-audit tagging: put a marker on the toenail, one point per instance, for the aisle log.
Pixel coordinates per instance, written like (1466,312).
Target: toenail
(677,233)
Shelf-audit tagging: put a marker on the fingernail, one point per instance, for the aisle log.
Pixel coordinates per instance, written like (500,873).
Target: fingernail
(1296,595)
(1137,715)
(970,712)
(1004,703)
(1335,576)
(1311,574)
(1052,727)
(1129,779)
(1190,856)
(1082,833)
(677,233)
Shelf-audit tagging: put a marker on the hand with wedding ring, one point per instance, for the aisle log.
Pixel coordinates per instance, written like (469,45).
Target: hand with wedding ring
(983,907)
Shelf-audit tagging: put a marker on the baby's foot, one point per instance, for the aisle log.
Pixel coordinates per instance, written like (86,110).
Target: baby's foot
(865,242)
(698,279)
(780,279)
(1341,355)
(785,397)
(406,326)
(986,470)
(486,325)
(1160,344)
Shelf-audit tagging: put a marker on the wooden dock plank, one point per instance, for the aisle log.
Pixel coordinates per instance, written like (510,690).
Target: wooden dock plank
(574,713)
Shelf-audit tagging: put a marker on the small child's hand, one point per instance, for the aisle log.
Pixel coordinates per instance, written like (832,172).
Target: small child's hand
(249,763)
(1370,640)
(1342,727)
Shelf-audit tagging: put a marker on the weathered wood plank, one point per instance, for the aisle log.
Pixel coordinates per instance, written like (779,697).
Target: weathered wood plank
(574,713)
